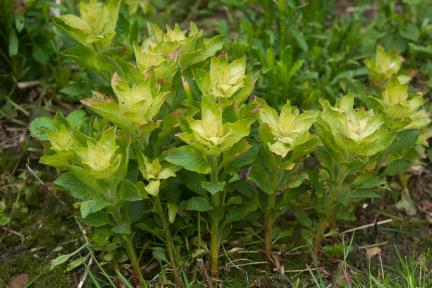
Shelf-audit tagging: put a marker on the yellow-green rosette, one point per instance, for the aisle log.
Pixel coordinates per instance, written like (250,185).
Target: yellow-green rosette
(288,130)
(210,134)
(352,132)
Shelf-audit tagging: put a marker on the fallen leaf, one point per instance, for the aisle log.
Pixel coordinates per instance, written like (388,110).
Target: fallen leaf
(407,205)
(373,251)
(19,281)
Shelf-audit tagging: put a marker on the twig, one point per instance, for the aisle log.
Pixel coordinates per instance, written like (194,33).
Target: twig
(92,254)
(204,272)
(303,270)
(368,226)
(373,245)
(16,233)
(229,259)
(84,232)
(84,277)
(250,264)
(28,84)
(382,268)
(68,209)
(18,107)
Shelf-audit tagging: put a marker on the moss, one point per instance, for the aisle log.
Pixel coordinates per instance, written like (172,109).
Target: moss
(44,228)
(32,266)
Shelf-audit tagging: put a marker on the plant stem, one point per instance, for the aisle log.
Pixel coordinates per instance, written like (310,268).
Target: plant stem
(199,231)
(169,242)
(134,262)
(329,210)
(268,237)
(318,237)
(214,248)
(214,218)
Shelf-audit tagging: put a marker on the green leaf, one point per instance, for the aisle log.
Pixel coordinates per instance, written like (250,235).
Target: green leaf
(211,47)
(159,254)
(59,260)
(76,119)
(123,228)
(57,160)
(199,204)
(240,155)
(261,176)
(295,68)
(4,220)
(19,22)
(348,196)
(422,49)
(13,43)
(404,140)
(86,178)
(172,211)
(97,219)
(76,188)
(362,194)
(282,233)
(237,213)
(189,159)
(396,167)
(410,32)
(213,187)
(299,37)
(39,55)
(92,206)
(76,263)
(76,91)
(367,181)
(38,126)
(303,219)
(235,200)
(88,58)
(136,210)
(128,191)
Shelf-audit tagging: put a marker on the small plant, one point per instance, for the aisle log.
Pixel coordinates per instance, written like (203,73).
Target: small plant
(362,146)
(102,157)
(403,113)
(352,139)
(96,166)
(285,141)
(383,66)
(96,25)
(214,141)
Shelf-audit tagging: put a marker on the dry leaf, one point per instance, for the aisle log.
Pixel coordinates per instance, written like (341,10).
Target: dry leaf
(373,251)
(19,281)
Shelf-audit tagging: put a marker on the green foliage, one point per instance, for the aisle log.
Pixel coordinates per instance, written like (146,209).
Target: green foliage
(96,25)
(4,218)
(352,133)
(288,131)
(383,66)
(29,48)
(171,149)
(298,56)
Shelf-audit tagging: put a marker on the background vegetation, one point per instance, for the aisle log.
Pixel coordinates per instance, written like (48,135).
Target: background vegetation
(304,51)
